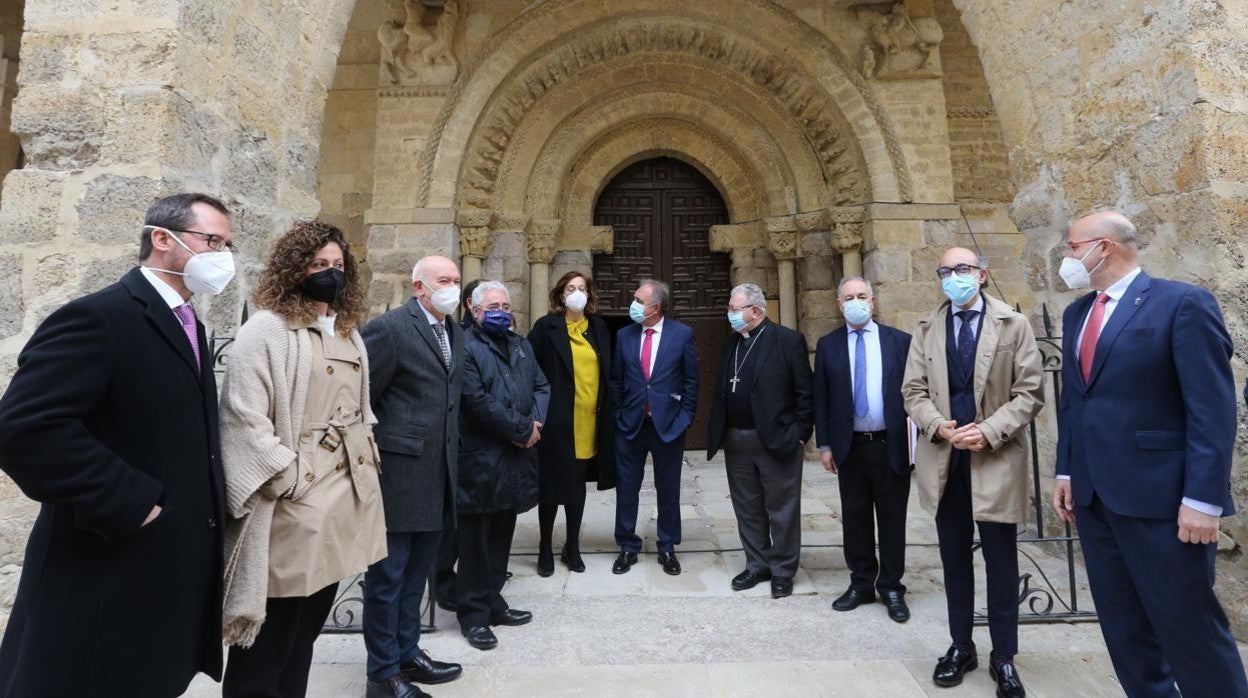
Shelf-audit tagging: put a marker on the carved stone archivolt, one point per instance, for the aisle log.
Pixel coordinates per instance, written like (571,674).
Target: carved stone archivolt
(899,46)
(413,52)
(801,97)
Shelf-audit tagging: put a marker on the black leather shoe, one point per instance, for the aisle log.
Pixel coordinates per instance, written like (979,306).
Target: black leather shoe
(1006,676)
(481,637)
(511,617)
(448,605)
(781,587)
(623,563)
(394,687)
(545,563)
(951,667)
(749,580)
(851,599)
(572,560)
(896,603)
(424,669)
(670,564)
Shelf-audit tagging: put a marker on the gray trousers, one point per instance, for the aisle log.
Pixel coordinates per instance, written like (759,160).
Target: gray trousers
(767,499)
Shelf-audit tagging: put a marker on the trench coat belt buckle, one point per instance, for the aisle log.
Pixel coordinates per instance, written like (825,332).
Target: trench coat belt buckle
(336,430)
(869,435)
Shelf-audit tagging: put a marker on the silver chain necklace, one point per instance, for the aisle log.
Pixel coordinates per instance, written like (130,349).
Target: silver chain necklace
(736,367)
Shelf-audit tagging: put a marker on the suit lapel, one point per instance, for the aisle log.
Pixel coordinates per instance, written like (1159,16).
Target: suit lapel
(766,341)
(421,323)
(840,356)
(989,335)
(162,319)
(1128,305)
(563,343)
(1081,307)
(887,366)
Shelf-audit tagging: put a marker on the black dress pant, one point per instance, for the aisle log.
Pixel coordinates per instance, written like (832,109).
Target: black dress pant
(955,529)
(277,664)
(873,494)
(484,546)
(444,577)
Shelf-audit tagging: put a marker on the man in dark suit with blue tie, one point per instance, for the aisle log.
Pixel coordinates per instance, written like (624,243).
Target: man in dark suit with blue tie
(654,381)
(860,425)
(1146,429)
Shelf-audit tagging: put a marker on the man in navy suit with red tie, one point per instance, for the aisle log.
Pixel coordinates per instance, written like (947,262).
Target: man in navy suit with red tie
(1146,429)
(654,382)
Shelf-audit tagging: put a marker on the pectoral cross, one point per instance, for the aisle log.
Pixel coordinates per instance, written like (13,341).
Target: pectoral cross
(734,380)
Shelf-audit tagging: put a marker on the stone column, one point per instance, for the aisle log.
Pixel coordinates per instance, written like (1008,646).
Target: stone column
(782,242)
(540,238)
(475,240)
(847,239)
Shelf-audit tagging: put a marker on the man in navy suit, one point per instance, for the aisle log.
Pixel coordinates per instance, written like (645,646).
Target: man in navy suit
(654,380)
(1146,428)
(861,430)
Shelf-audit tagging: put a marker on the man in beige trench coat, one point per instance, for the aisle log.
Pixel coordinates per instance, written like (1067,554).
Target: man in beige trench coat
(972,385)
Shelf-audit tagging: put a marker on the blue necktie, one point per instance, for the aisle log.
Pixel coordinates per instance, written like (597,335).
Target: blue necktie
(861,406)
(966,340)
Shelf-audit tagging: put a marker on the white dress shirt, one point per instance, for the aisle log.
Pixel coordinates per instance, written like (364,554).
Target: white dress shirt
(1115,293)
(170,296)
(874,420)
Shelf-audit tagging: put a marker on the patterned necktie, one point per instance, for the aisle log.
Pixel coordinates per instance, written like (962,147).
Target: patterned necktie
(1091,333)
(440,330)
(861,406)
(186,314)
(966,339)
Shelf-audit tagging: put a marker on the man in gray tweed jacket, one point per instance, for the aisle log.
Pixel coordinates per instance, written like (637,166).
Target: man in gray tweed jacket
(416,357)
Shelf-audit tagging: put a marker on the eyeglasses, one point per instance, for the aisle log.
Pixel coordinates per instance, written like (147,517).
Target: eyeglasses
(214,242)
(960,270)
(741,309)
(1074,246)
(498,306)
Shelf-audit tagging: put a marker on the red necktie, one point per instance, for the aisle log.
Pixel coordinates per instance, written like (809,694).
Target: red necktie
(645,362)
(1091,333)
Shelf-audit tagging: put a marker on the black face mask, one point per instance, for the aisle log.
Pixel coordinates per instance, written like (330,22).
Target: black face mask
(325,286)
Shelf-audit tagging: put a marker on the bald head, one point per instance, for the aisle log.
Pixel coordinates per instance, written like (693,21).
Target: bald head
(432,274)
(960,255)
(1106,224)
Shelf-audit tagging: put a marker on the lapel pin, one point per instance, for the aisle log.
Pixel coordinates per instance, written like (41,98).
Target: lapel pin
(1138,300)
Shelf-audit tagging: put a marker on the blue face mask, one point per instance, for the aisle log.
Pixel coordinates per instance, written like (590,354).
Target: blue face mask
(857,312)
(496,322)
(736,318)
(960,289)
(637,311)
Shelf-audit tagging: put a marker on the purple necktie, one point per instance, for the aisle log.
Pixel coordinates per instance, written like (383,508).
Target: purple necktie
(186,314)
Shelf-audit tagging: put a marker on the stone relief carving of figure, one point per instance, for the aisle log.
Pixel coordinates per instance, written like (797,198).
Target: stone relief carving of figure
(906,46)
(414,53)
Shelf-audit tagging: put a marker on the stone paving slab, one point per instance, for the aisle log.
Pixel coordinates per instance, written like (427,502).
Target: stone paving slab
(649,634)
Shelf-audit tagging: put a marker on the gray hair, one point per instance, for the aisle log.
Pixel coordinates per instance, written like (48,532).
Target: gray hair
(840,288)
(753,295)
(478,293)
(660,293)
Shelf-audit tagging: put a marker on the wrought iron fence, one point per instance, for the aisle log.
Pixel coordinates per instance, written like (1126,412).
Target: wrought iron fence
(1039,598)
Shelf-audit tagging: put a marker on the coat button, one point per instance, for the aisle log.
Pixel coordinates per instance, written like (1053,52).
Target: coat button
(329,370)
(360,460)
(309,477)
(356,367)
(212,522)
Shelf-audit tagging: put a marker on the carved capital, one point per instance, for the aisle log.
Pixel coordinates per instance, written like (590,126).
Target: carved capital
(780,224)
(475,241)
(847,237)
(540,240)
(414,53)
(898,45)
(474,217)
(783,245)
(602,239)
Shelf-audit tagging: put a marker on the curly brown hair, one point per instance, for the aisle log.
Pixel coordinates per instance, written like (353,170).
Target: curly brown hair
(556,294)
(281,280)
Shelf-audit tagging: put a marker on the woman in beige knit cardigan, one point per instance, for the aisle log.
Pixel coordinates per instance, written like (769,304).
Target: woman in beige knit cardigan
(300,464)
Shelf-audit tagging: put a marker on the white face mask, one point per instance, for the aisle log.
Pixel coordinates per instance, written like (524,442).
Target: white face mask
(206,273)
(576,300)
(445,300)
(1075,274)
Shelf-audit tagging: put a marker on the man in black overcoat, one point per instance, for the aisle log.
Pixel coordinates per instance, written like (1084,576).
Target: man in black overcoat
(111,424)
